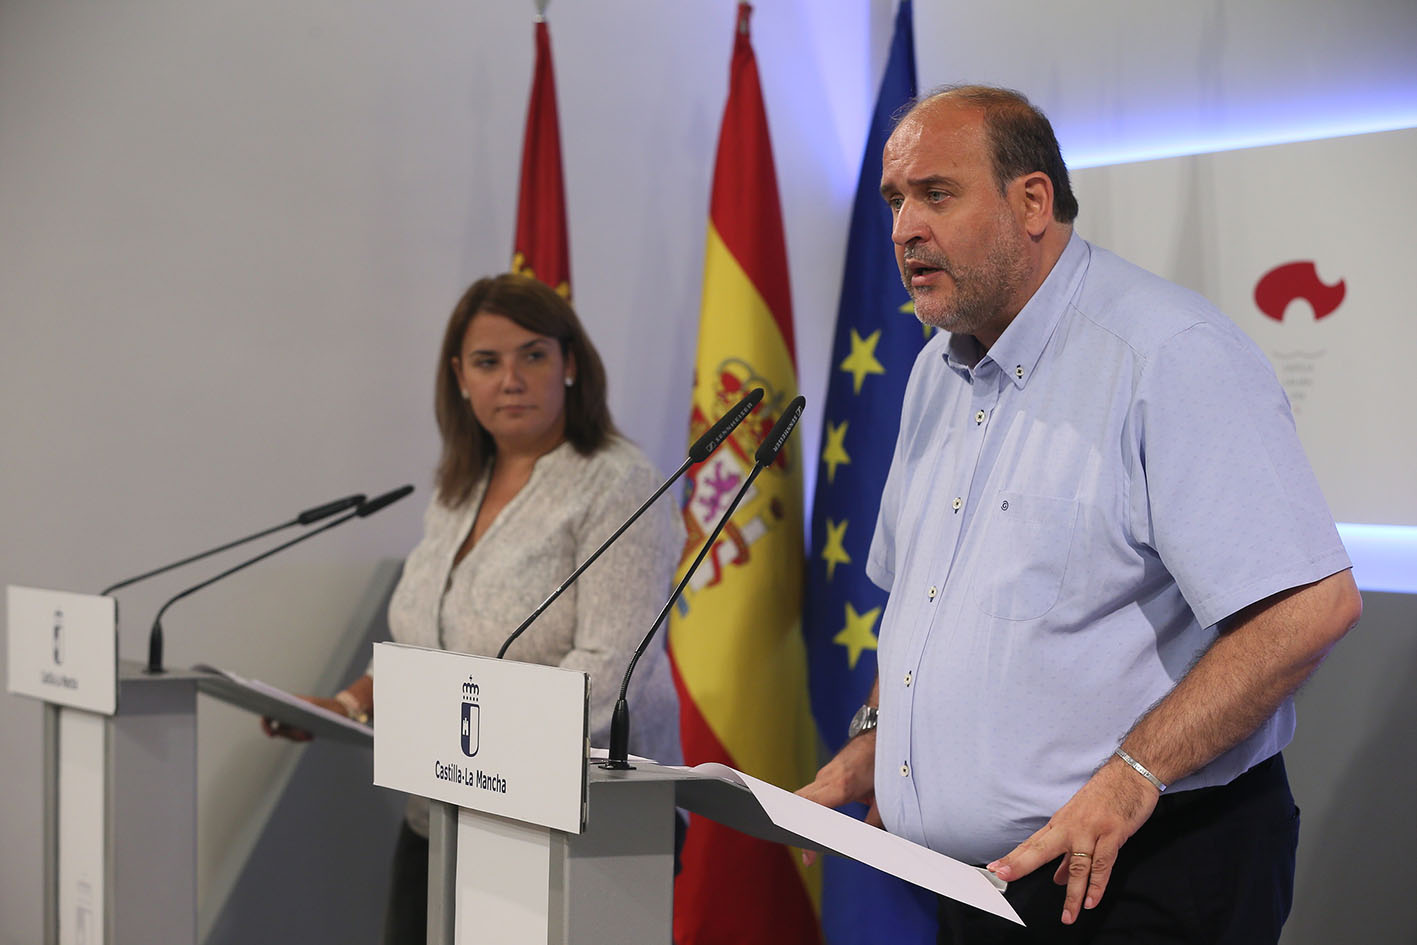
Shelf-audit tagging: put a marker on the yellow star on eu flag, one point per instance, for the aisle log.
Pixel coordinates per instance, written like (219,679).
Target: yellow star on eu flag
(859,633)
(862,359)
(834,552)
(835,453)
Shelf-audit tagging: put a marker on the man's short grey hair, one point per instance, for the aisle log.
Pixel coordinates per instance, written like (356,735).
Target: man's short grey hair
(1021,139)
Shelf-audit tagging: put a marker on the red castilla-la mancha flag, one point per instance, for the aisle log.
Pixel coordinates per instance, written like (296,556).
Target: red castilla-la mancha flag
(542,247)
(735,639)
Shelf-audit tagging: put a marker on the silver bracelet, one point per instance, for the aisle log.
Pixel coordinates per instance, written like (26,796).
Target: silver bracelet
(351,707)
(1141,770)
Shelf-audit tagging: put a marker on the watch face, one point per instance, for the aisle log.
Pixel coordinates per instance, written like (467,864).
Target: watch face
(863,721)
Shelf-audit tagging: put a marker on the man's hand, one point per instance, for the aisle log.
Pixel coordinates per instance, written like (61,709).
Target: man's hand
(1087,832)
(849,777)
(1261,656)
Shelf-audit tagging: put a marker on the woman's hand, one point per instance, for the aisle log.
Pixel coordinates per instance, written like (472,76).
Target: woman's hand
(275,729)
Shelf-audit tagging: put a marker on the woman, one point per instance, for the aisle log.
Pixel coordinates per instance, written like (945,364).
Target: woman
(533,477)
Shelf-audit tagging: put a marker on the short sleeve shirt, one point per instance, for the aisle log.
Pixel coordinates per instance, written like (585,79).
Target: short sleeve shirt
(1067,518)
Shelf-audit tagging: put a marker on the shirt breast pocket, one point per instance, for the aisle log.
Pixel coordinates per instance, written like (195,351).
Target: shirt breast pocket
(1027,545)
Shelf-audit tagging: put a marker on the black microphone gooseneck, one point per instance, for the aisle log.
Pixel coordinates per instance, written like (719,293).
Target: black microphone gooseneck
(701,450)
(767,452)
(366,508)
(304,518)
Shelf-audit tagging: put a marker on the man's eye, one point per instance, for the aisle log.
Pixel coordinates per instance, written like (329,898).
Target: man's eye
(895,203)
(935,196)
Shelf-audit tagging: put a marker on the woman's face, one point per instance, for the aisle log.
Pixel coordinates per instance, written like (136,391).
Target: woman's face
(515,381)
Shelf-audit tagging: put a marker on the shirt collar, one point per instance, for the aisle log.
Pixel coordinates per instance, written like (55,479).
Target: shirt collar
(1021,345)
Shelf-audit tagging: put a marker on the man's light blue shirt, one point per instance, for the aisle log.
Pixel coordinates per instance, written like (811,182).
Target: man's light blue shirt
(1066,519)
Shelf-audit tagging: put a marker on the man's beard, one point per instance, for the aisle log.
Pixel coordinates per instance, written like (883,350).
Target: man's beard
(983,295)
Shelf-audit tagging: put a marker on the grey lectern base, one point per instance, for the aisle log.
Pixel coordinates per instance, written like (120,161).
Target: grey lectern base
(610,885)
(120,842)
(121,809)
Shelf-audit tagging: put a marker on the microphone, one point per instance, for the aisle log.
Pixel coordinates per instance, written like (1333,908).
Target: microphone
(304,518)
(767,452)
(366,508)
(702,448)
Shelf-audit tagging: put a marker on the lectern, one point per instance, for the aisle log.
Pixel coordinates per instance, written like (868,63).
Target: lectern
(533,843)
(120,771)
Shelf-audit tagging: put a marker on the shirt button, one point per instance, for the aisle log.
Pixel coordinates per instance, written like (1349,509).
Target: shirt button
(907,678)
(932,592)
(979,417)
(958,503)
(905,769)
(1018,371)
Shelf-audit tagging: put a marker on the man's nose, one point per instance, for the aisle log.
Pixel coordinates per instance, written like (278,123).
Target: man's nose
(908,225)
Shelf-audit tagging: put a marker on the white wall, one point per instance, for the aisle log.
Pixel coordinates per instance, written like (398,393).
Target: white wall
(1126,81)
(232,232)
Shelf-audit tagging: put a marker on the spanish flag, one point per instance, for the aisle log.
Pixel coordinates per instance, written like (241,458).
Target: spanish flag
(542,248)
(735,640)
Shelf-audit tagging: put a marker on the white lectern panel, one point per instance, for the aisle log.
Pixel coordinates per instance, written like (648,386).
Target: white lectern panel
(63,647)
(491,735)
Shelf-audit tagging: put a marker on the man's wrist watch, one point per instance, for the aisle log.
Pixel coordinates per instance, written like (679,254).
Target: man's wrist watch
(863,721)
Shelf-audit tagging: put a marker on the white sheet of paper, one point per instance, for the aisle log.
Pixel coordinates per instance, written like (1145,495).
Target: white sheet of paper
(874,847)
(286,698)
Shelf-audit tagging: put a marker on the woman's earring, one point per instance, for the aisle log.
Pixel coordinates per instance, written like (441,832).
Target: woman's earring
(464,395)
(570,382)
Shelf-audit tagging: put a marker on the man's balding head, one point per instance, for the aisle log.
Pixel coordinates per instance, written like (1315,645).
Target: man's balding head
(1021,139)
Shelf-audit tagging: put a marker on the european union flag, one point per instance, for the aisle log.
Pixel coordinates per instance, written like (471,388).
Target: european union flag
(877,339)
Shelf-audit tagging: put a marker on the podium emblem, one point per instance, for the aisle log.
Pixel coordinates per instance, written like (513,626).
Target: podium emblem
(471,718)
(58,637)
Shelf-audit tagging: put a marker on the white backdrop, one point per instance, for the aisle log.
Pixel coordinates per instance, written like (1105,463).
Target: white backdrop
(1125,81)
(232,232)
(1219,223)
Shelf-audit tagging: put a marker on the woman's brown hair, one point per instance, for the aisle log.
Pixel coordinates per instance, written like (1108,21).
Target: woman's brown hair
(468,448)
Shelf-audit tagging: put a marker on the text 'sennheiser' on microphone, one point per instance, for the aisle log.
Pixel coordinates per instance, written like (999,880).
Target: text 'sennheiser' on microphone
(767,452)
(308,517)
(366,508)
(701,449)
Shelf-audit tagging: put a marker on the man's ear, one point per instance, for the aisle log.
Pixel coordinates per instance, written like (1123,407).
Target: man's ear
(1035,202)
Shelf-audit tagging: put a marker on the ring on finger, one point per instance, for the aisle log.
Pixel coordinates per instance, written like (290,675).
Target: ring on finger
(1088,855)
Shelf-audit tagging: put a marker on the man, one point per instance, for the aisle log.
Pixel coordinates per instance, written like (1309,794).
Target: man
(1110,566)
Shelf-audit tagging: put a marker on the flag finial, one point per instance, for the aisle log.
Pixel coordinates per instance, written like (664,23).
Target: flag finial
(745,10)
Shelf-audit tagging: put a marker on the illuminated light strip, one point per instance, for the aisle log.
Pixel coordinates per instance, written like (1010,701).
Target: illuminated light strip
(1384,556)
(1082,158)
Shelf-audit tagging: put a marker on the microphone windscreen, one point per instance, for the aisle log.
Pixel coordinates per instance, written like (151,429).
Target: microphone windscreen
(367,509)
(705,445)
(329,508)
(777,436)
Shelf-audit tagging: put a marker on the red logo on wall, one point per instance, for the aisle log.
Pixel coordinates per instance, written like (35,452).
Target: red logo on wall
(1297,280)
